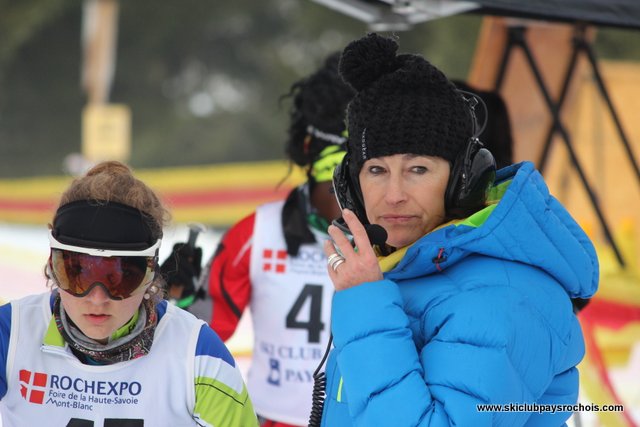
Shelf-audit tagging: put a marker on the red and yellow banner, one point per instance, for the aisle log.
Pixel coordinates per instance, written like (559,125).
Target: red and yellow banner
(217,195)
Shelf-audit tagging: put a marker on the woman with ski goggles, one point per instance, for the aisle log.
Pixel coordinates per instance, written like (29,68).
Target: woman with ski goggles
(103,345)
(121,274)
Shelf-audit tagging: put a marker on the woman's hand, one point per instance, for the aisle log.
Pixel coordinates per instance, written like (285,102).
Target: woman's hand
(357,267)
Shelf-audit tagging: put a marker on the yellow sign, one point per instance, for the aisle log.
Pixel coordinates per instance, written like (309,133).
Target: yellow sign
(106,132)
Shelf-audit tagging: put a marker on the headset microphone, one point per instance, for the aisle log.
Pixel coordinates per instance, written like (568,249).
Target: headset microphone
(376,233)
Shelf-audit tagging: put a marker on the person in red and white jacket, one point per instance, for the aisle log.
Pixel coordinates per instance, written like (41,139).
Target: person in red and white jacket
(272,260)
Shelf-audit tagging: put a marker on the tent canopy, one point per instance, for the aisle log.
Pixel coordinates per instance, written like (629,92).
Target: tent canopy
(612,13)
(402,14)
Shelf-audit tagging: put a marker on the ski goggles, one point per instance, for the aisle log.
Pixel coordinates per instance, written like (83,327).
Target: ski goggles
(121,273)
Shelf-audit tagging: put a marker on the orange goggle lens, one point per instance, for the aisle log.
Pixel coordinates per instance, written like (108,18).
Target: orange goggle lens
(121,276)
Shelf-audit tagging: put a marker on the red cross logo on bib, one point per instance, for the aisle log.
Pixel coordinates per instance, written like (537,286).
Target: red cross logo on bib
(33,385)
(274,260)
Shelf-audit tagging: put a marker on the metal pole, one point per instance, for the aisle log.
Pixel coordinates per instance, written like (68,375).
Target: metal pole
(99,33)
(506,55)
(563,94)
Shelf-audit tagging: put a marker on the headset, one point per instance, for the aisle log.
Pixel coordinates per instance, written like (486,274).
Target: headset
(347,189)
(474,170)
(472,175)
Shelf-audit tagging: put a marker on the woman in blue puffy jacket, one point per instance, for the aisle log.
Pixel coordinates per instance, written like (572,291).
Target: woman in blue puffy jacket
(464,316)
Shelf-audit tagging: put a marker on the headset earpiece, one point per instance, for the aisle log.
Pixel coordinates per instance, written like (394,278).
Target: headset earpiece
(474,170)
(472,175)
(347,191)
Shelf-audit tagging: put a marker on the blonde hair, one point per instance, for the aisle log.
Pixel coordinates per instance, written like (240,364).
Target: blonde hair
(113,181)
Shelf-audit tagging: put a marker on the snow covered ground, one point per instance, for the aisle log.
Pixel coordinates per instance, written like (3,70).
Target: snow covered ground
(24,250)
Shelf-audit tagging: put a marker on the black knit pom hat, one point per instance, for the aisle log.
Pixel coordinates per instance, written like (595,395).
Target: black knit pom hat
(403,104)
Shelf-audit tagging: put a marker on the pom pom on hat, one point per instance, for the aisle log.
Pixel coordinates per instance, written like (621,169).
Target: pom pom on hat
(403,104)
(366,60)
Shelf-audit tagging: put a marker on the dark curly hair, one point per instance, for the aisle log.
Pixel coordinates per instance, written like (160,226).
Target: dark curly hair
(320,101)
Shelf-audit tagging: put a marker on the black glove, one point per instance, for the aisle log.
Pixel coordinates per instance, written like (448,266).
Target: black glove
(182,268)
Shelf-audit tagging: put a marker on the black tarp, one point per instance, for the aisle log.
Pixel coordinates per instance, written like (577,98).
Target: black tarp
(611,13)
(607,13)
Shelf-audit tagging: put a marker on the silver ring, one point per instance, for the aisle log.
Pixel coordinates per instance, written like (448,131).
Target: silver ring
(337,263)
(332,257)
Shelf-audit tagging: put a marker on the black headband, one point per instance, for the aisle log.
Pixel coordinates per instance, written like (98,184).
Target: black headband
(104,225)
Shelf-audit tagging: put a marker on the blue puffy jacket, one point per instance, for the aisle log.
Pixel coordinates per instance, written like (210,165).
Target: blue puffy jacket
(475,312)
